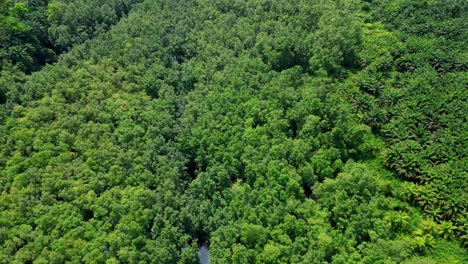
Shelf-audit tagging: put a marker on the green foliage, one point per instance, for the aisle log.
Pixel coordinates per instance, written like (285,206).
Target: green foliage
(262,130)
(336,39)
(75,22)
(422,242)
(33,33)
(412,92)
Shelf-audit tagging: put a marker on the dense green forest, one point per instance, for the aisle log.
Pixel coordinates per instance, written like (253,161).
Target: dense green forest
(35,32)
(268,131)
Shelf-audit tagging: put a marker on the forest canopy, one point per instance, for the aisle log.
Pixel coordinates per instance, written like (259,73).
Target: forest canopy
(285,131)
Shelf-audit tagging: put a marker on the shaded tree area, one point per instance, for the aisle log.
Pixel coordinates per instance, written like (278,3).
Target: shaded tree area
(261,129)
(33,33)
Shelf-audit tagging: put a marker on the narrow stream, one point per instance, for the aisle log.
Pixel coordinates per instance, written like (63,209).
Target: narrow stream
(204,255)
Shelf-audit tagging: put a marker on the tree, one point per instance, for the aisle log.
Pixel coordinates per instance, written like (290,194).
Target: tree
(335,42)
